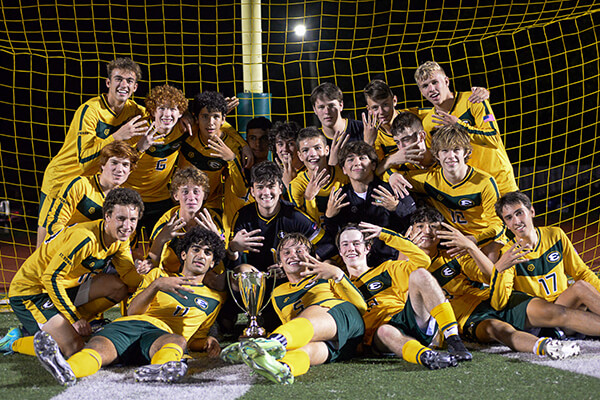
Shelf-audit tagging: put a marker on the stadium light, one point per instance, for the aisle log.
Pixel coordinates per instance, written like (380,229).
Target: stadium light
(300,30)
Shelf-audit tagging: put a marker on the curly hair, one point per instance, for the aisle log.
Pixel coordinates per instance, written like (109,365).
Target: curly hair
(190,175)
(295,237)
(122,197)
(427,69)
(165,96)
(511,198)
(202,237)
(213,101)
(449,137)
(426,214)
(119,149)
(125,64)
(359,148)
(326,91)
(282,130)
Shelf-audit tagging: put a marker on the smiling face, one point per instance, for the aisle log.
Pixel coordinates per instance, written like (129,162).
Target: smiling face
(383,110)
(190,197)
(121,86)
(359,168)
(429,240)
(198,259)
(115,172)
(285,149)
(435,88)
(353,248)
(267,195)
(313,152)
(165,118)
(120,224)
(519,219)
(291,253)
(328,111)
(452,161)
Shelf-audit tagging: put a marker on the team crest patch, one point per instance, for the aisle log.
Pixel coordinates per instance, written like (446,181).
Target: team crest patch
(92,210)
(191,155)
(530,267)
(280,234)
(214,165)
(373,286)
(553,257)
(448,272)
(48,305)
(152,149)
(466,203)
(201,303)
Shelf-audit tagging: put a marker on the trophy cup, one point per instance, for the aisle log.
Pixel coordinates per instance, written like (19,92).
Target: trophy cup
(252,286)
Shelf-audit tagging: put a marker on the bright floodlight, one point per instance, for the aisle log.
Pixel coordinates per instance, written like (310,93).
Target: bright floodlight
(300,30)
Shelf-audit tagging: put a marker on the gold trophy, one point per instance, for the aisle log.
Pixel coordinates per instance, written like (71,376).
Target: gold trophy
(252,286)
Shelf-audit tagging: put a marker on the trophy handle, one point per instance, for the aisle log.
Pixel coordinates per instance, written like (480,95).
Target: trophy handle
(274,275)
(233,275)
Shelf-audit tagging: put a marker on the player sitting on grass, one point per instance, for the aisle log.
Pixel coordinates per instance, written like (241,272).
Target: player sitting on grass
(321,314)
(407,308)
(163,315)
(477,320)
(539,261)
(62,285)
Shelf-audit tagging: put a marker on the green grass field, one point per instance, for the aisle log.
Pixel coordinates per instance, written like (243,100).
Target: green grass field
(488,376)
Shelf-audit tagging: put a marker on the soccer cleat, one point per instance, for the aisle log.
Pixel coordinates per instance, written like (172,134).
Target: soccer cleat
(48,352)
(232,354)
(559,349)
(169,372)
(436,360)
(457,348)
(7,341)
(264,363)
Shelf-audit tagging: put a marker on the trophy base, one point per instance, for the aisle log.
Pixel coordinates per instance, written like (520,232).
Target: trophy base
(253,333)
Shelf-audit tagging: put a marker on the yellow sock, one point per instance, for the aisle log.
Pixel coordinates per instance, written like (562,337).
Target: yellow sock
(412,350)
(169,352)
(444,315)
(85,363)
(294,334)
(297,360)
(24,345)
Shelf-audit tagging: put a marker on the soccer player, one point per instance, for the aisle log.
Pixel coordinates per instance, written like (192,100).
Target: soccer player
(320,310)
(478,119)
(81,199)
(477,319)
(96,123)
(311,188)
(163,314)
(409,136)
(211,149)
(62,284)
(282,139)
(366,198)
(407,308)
(189,188)
(328,103)
(539,261)
(237,191)
(464,195)
(160,148)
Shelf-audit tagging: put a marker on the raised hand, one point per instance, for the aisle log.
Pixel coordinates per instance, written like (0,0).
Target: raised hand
(246,241)
(204,220)
(370,127)
(384,198)
(232,103)
(370,231)
(220,149)
(317,181)
(399,185)
(150,138)
(478,95)
(247,157)
(515,254)
(443,118)
(321,269)
(335,203)
(135,127)
(339,140)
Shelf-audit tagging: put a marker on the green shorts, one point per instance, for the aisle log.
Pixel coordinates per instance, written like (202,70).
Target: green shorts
(350,332)
(515,313)
(132,339)
(35,310)
(406,322)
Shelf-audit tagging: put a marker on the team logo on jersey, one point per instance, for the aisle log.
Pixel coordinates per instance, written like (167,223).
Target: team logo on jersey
(214,165)
(280,234)
(440,198)
(92,210)
(448,272)
(466,203)
(553,257)
(374,286)
(530,267)
(191,154)
(201,303)
(48,305)
(152,149)
(176,145)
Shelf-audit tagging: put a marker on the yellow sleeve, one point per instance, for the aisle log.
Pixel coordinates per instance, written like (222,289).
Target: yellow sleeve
(346,290)
(489,197)
(417,257)
(123,263)
(485,132)
(501,287)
